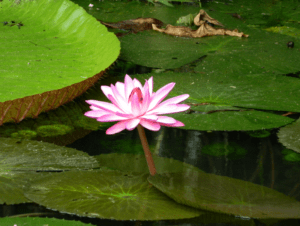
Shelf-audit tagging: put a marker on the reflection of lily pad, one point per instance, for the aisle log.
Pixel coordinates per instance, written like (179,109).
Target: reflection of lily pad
(226,195)
(107,194)
(53,130)
(231,150)
(289,136)
(55,55)
(290,155)
(138,164)
(259,133)
(21,159)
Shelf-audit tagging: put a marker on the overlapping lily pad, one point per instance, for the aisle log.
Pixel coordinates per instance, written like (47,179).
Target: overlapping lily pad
(20,159)
(107,194)
(51,52)
(289,136)
(226,195)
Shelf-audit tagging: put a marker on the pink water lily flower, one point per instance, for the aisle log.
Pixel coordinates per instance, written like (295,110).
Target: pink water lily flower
(134,104)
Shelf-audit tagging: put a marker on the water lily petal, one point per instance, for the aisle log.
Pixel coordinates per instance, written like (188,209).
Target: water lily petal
(175,100)
(166,120)
(176,124)
(150,82)
(119,101)
(150,117)
(95,114)
(169,109)
(137,83)
(116,128)
(160,95)
(110,118)
(135,105)
(103,105)
(151,125)
(95,108)
(146,100)
(131,124)
(121,88)
(106,90)
(128,86)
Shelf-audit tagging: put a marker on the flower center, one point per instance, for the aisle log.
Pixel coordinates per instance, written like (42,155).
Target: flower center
(138,91)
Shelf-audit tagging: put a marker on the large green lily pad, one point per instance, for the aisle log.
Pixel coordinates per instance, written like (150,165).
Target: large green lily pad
(51,52)
(226,195)
(21,159)
(107,194)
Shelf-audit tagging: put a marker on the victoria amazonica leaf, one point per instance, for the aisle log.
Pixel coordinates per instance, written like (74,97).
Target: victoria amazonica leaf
(51,52)
(107,194)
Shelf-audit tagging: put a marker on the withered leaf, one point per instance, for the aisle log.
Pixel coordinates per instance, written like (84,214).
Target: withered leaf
(135,25)
(203,17)
(202,20)
(204,30)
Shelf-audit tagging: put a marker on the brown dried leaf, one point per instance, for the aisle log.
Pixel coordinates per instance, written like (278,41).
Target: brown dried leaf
(202,17)
(135,25)
(205,29)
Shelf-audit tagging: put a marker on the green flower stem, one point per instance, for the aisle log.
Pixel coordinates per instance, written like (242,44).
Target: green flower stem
(147,152)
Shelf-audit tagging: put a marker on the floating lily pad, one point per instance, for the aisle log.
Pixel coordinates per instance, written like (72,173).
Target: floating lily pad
(226,195)
(21,159)
(55,55)
(28,155)
(39,221)
(107,194)
(289,136)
